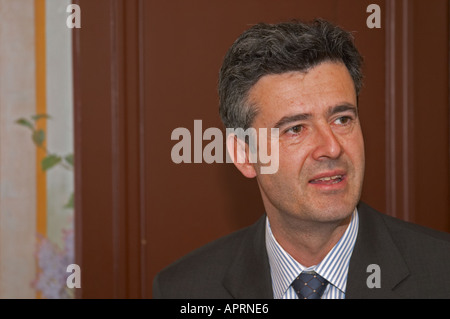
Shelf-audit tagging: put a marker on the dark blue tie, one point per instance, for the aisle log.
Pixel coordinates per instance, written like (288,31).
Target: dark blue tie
(309,285)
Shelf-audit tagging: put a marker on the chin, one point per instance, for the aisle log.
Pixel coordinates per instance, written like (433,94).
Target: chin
(333,211)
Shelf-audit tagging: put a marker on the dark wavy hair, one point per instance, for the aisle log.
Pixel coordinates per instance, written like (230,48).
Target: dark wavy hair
(278,48)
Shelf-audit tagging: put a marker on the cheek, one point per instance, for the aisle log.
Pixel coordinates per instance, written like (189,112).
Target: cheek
(359,146)
(354,148)
(293,163)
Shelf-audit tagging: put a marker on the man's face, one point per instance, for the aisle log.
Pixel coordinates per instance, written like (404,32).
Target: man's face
(321,148)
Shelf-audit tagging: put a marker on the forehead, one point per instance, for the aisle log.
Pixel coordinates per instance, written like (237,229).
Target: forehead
(325,85)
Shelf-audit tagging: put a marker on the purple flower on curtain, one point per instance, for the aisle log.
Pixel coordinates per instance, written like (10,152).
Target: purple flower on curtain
(52,264)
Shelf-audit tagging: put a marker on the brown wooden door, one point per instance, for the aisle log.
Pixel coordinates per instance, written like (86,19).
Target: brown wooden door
(144,68)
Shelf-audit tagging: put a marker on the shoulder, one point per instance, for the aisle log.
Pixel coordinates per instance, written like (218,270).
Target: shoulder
(416,242)
(403,228)
(203,269)
(406,254)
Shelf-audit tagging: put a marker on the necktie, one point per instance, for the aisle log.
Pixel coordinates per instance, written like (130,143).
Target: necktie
(309,285)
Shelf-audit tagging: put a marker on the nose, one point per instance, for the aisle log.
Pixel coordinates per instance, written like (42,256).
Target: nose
(326,145)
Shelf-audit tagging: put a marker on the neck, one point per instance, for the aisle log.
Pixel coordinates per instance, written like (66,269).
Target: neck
(307,242)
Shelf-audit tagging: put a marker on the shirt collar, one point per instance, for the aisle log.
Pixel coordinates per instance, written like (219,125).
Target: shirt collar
(334,267)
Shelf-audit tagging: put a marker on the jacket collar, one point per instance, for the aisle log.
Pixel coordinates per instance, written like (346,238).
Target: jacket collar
(249,274)
(375,246)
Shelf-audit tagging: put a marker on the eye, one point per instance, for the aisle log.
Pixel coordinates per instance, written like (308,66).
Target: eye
(343,120)
(295,129)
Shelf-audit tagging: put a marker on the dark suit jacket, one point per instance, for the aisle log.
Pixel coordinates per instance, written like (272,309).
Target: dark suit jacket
(414,263)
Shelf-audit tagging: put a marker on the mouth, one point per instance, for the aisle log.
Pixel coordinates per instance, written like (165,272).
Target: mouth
(328,179)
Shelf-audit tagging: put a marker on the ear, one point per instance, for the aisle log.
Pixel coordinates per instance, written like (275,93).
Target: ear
(238,151)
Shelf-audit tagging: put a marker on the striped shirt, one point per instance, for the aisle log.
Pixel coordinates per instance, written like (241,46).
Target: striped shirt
(334,267)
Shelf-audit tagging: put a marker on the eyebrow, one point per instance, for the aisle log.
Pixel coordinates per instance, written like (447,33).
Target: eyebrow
(344,107)
(292,118)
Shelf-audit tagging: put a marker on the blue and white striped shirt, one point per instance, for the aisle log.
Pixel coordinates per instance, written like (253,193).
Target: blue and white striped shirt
(334,267)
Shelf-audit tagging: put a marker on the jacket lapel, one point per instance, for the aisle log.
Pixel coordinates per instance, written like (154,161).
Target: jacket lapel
(375,246)
(249,274)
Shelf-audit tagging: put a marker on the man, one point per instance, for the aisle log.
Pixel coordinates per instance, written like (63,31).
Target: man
(316,239)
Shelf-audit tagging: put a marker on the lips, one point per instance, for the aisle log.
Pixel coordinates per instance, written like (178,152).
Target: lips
(329,178)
